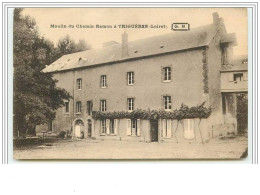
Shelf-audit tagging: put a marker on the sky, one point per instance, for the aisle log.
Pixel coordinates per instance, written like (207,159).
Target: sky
(235,21)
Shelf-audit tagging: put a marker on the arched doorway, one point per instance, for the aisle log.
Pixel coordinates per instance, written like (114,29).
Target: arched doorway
(79,129)
(89,127)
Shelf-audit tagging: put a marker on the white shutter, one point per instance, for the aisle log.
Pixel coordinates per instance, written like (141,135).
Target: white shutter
(189,132)
(107,125)
(100,127)
(164,128)
(115,123)
(169,128)
(128,127)
(245,76)
(231,77)
(138,127)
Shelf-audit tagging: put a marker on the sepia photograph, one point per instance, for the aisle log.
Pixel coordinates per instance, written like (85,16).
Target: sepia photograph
(130,83)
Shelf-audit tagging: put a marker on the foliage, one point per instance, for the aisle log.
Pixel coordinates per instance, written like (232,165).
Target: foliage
(242,112)
(36,96)
(184,112)
(66,46)
(205,71)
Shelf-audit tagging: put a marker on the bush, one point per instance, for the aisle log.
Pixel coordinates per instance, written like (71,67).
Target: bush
(62,134)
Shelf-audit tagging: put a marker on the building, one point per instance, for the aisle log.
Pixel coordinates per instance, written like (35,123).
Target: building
(155,73)
(234,83)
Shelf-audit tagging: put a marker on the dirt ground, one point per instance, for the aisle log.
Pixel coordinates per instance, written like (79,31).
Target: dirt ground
(110,149)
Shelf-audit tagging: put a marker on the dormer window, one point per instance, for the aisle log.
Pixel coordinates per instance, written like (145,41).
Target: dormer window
(245,61)
(225,54)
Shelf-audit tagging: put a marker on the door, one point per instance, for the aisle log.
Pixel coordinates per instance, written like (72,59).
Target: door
(77,130)
(154,130)
(89,128)
(134,127)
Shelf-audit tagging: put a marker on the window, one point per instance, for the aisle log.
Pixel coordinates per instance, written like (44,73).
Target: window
(103,81)
(79,84)
(103,105)
(67,107)
(167,73)
(130,78)
(225,54)
(238,77)
(134,126)
(78,107)
(130,103)
(167,101)
(112,126)
(245,61)
(103,126)
(89,107)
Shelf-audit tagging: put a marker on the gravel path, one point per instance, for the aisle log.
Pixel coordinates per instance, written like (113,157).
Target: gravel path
(109,149)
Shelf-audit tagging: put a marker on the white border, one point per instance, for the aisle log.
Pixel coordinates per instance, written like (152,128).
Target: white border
(7,113)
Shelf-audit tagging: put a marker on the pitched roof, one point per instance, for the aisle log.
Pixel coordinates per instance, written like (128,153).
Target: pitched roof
(170,42)
(239,63)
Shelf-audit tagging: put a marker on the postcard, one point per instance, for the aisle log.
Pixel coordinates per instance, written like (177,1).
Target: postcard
(130,83)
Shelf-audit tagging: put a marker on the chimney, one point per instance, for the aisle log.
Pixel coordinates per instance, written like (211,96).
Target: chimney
(124,45)
(215,18)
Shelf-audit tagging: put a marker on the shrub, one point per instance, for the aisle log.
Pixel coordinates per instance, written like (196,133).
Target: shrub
(62,134)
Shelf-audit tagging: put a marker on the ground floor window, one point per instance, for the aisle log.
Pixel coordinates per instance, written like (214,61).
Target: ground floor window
(103,126)
(109,126)
(133,127)
(112,126)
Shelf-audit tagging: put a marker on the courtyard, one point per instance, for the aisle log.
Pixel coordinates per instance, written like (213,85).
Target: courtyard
(111,149)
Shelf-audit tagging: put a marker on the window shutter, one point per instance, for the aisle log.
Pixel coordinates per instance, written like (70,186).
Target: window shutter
(169,128)
(107,125)
(115,123)
(128,127)
(164,128)
(162,74)
(100,127)
(245,76)
(138,127)
(231,77)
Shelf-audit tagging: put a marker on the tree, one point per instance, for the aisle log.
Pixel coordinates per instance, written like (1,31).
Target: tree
(82,45)
(36,96)
(242,112)
(67,46)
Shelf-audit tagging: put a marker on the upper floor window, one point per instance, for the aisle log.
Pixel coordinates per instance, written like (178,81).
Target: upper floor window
(167,101)
(103,105)
(130,103)
(130,78)
(67,107)
(238,77)
(89,107)
(103,81)
(78,107)
(79,84)
(167,73)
